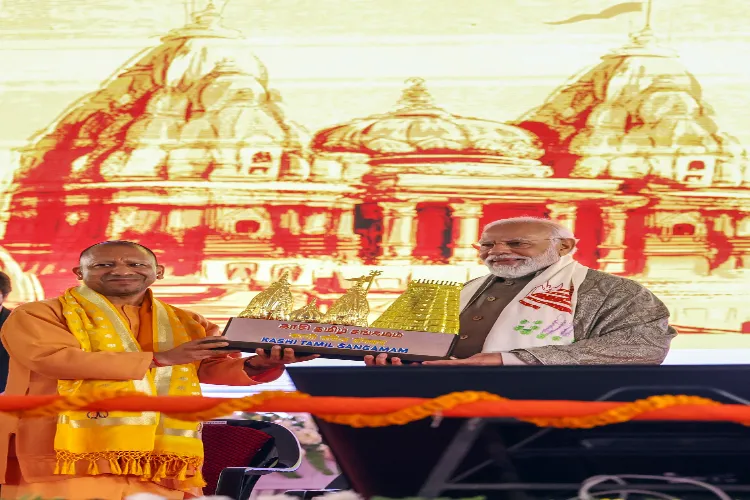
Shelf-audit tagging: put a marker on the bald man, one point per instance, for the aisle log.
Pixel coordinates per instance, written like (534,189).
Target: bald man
(112,334)
(538,306)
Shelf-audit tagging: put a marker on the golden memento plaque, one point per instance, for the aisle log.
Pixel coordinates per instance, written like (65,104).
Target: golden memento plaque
(420,325)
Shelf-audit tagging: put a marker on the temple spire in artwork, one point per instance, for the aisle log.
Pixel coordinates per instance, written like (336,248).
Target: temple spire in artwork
(646,35)
(202,21)
(648,10)
(190,10)
(415,96)
(644,42)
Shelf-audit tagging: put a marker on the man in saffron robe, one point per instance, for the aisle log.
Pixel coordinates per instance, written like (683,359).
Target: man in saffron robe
(111,334)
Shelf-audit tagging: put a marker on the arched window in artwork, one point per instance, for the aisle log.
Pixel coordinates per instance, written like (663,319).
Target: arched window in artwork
(262,157)
(696,171)
(246,227)
(683,230)
(261,163)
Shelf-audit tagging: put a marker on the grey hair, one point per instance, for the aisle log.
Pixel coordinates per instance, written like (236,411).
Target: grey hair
(558,230)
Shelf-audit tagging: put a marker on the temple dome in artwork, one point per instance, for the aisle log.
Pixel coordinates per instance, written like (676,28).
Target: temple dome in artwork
(197,106)
(419,127)
(637,114)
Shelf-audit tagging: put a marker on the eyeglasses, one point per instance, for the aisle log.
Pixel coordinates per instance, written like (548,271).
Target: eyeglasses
(512,244)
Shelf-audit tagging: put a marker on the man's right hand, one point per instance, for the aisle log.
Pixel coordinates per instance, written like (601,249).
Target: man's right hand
(382,360)
(195,350)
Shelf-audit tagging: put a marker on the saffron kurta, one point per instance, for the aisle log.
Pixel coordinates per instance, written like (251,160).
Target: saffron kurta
(42,351)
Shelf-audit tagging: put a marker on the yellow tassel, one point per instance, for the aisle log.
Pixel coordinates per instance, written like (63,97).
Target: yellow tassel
(146,466)
(132,468)
(160,473)
(182,473)
(114,466)
(93,469)
(196,481)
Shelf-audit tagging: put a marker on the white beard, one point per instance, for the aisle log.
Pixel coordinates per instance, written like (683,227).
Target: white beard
(527,265)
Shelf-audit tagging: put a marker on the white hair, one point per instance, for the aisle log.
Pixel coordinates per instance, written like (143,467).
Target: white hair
(557,230)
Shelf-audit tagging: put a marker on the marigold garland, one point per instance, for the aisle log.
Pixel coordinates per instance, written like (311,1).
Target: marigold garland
(222,409)
(413,413)
(623,413)
(70,403)
(432,407)
(229,406)
(449,401)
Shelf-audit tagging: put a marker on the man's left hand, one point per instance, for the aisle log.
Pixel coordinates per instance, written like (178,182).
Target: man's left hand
(263,361)
(482,359)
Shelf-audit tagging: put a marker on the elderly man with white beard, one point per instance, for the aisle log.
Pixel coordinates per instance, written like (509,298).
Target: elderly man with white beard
(538,306)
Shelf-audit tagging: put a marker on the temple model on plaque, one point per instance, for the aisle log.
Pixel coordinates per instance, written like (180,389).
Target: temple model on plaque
(420,325)
(425,306)
(352,308)
(275,303)
(308,314)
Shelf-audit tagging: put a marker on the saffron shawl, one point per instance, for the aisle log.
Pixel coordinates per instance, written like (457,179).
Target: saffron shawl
(145,444)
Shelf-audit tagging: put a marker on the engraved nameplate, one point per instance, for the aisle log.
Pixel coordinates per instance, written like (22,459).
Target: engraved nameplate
(337,341)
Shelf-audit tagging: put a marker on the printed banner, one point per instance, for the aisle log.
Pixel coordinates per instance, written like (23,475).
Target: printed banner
(242,140)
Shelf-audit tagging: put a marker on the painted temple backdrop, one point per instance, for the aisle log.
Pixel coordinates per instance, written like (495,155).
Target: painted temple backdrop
(240,140)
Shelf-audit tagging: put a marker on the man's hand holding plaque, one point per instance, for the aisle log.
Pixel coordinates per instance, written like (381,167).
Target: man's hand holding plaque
(481,359)
(420,325)
(263,360)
